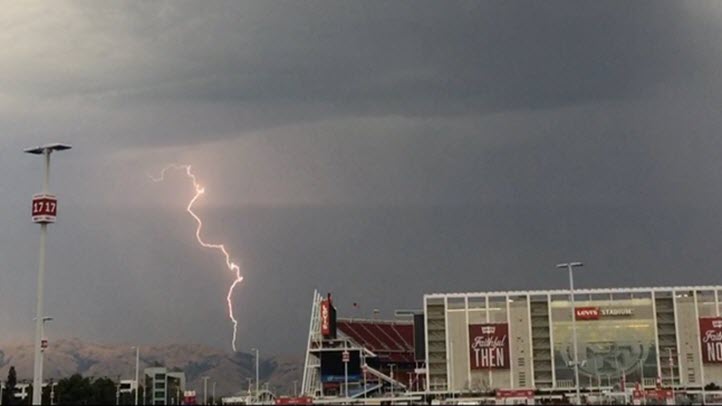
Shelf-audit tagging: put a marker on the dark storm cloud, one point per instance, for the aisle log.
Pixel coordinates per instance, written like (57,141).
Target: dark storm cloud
(354,147)
(232,67)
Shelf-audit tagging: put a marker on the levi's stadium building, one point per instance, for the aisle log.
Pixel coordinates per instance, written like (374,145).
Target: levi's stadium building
(647,344)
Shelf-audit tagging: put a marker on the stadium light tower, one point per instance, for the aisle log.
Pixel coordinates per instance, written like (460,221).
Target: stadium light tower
(44,211)
(570,266)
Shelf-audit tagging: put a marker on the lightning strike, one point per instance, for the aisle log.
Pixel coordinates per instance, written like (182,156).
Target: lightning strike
(233,267)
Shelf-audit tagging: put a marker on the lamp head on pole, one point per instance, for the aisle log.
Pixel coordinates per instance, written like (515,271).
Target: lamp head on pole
(570,264)
(48,147)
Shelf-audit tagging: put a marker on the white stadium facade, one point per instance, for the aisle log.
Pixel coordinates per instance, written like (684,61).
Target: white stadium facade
(636,345)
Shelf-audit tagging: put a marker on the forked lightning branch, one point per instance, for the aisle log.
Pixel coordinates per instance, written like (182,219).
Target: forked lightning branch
(232,266)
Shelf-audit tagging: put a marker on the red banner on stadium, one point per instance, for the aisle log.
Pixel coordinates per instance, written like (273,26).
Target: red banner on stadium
(710,334)
(489,346)
(325,318)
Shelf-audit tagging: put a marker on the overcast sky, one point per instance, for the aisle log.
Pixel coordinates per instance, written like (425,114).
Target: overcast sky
(379,150)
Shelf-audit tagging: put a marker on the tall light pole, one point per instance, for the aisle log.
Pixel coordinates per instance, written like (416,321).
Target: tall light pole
(44,210)
(205,390)
(256,351)
(570,266)
(137,363)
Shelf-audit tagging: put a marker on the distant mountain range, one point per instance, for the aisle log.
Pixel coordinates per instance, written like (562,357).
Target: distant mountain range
(65,357)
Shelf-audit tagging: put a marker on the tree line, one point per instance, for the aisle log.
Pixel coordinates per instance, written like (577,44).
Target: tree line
(74,390)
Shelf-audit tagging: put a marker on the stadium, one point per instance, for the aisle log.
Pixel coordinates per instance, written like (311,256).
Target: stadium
(637,345)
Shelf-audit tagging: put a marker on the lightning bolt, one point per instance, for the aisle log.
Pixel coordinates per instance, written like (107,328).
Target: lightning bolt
(232,266)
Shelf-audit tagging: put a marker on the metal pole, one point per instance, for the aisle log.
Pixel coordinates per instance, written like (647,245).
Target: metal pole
(213,393)
(256,372)
(295,389)
(623,380)
(574,335)
(42,357)
(364,370)
(205,390)
(38,364)
(451,368)
(137,364)
(671,372)
(345,379)
(596,371)
(393,380)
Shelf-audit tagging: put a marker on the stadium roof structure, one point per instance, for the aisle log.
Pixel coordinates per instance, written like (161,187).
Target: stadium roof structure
(554,292)
(391,341)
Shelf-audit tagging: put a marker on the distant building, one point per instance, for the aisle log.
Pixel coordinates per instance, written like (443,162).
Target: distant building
(163,387)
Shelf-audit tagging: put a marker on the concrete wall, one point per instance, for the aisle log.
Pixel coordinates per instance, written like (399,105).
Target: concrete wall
(520,351)
(688,342)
